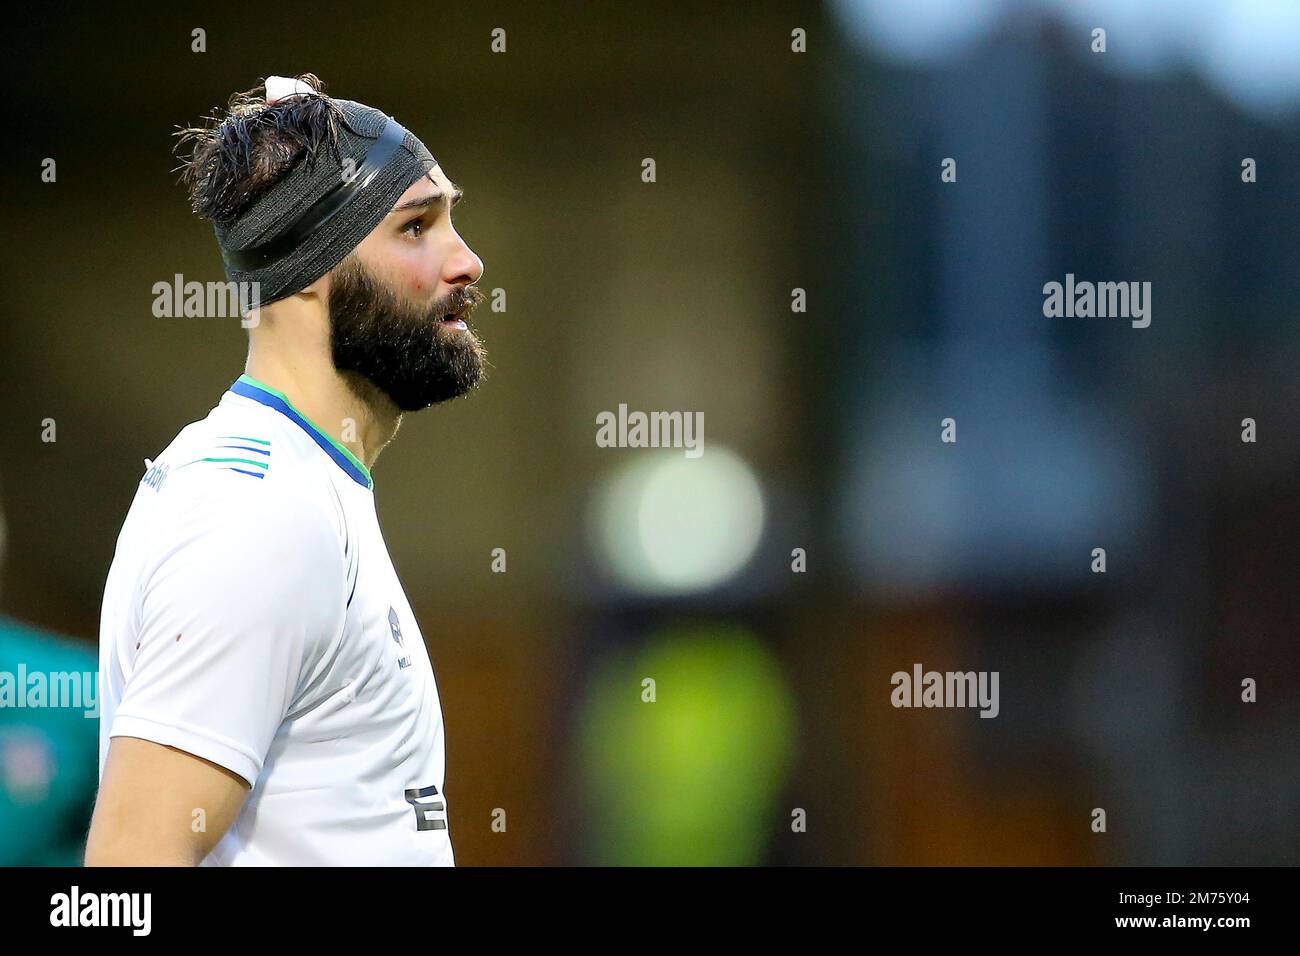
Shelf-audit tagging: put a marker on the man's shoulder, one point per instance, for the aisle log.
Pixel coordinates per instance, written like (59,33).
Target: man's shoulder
(232,441)
(237,467)
(241,448)
(262,535)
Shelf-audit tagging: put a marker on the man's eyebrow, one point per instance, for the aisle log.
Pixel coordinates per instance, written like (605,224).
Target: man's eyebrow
(434,197)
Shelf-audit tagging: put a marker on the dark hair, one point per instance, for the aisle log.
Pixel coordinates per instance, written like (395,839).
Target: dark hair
(237,156)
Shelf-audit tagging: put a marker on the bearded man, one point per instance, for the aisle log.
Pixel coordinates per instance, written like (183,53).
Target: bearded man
(266,694)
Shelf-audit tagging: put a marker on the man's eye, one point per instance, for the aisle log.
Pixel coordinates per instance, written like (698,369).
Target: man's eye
(415,227)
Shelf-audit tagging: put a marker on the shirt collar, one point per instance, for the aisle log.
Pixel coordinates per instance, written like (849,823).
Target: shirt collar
(249,387)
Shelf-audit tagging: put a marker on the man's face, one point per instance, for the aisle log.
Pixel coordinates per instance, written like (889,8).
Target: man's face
(399,304)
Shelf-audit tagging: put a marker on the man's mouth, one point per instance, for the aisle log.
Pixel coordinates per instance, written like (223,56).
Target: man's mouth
(454,322)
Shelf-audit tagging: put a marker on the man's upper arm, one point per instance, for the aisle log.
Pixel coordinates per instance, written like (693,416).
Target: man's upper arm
(159,806)
(240,610)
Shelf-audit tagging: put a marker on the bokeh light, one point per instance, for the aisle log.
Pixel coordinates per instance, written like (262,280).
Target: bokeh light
(692,777)
(667,524)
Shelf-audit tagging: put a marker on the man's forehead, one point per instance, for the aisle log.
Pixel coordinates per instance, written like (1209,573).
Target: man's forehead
(436,181)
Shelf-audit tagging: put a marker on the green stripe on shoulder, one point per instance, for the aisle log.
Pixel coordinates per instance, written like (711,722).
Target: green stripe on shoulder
(258,441)
(245,461)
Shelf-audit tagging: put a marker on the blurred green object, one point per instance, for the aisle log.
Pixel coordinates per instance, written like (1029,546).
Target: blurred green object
(49,755)
(692,778)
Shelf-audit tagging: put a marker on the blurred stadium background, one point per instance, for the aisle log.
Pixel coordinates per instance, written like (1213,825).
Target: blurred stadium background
(776,171)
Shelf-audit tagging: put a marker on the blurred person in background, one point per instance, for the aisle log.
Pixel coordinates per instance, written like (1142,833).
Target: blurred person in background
(47,753)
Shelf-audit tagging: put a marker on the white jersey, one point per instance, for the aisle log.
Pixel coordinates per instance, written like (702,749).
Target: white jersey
(252,617)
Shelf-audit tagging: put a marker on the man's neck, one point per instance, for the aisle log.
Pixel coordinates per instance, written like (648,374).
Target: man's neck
(344,405)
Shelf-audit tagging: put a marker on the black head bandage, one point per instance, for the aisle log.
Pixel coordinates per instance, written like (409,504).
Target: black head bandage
(305,224)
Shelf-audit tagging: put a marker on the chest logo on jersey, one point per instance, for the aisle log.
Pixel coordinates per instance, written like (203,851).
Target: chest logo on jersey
(395,626)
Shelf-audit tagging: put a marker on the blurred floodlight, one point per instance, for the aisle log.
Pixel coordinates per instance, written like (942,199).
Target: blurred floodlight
(1246,48)
(925,30)
(1251,52)
(666,524)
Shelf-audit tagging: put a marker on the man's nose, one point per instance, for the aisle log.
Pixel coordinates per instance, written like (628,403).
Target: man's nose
(462,266)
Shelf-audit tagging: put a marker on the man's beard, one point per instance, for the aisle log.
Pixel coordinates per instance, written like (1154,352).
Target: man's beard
(403,349)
